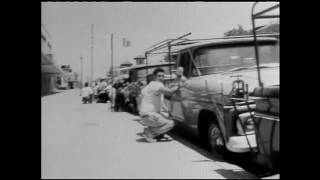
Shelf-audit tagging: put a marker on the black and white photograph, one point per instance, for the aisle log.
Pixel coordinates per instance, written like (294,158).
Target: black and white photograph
(160,90)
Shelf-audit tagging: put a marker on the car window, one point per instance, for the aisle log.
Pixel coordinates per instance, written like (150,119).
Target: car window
(187,64)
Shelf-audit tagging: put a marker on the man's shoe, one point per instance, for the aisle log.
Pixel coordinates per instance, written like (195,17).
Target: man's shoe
(149,139)
(159,137)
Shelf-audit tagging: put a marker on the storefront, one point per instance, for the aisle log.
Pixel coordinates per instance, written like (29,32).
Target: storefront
(49,74)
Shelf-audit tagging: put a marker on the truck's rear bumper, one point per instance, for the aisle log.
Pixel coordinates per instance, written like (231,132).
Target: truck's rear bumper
(239,144)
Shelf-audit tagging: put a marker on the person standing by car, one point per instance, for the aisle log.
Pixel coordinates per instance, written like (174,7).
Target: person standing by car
(103,95)
(86,93)
(151,106)
(96,91)
(180,78)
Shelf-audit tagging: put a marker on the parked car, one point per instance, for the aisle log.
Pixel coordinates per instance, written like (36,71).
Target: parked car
(216,71)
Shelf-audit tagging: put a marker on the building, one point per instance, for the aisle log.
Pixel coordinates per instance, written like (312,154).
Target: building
(49,69)
(70,77)
(124,68)
(125,64)
(139,59)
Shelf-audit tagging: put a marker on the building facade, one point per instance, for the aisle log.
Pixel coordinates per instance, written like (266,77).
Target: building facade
(49,70)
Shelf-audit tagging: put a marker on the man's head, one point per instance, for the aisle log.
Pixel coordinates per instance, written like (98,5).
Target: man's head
(158,74)
(179,71)
(86,84)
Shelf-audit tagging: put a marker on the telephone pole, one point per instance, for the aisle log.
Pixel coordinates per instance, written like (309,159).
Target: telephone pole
(112,93)
(81,67)
(91,79)
(111,57)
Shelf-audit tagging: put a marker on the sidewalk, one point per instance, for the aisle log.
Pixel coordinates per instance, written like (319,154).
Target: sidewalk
(88,141)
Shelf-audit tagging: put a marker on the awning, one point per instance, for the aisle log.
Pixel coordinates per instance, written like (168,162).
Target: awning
(50,69)
(46,59)
(123,76)
(48,65)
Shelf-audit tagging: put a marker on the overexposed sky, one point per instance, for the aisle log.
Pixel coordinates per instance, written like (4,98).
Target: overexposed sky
(143,23)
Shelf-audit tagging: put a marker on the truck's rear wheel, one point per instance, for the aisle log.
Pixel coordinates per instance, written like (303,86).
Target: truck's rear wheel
(215,140)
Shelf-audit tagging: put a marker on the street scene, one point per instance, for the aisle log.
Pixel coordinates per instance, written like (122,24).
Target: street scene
(164,90)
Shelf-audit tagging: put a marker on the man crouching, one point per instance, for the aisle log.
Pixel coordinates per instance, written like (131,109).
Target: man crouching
(151,105)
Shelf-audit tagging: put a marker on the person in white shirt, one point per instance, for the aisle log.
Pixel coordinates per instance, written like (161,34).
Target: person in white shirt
(86,93)
(178,77)
(151,106)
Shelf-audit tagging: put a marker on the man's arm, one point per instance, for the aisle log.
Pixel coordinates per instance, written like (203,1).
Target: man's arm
(163,105)
(169,91)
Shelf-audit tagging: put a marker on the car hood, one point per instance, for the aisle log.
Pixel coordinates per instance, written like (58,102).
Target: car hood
(269,76)
(222,83)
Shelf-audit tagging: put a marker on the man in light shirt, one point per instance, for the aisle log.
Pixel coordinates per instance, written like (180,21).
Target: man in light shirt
(151,106)
(178,77)
(86,93)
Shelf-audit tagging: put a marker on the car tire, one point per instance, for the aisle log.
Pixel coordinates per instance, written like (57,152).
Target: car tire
(215,140)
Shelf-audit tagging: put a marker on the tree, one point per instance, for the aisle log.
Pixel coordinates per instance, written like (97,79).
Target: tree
(238,32)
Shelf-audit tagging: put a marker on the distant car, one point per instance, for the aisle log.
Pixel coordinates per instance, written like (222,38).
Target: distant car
(217,71)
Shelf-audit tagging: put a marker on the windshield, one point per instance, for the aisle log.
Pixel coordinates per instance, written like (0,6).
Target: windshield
(211,60)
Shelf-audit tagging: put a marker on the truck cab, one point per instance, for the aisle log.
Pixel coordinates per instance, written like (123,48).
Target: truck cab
(217,71)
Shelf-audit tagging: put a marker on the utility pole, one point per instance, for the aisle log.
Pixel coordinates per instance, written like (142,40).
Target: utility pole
(169,57)
(81,78)
(91,79)
(111,57)
(112,93)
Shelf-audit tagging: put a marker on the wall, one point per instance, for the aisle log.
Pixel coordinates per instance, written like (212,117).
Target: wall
(48,83)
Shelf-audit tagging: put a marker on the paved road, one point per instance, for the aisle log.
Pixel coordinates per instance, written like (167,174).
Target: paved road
(89,141)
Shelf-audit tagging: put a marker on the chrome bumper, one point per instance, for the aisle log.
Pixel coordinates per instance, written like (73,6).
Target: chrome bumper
(239,144)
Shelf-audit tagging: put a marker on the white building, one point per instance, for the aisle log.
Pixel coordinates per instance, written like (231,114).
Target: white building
(49,70)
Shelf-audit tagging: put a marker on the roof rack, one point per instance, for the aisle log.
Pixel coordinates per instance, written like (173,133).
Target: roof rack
(168,43)
(260,15)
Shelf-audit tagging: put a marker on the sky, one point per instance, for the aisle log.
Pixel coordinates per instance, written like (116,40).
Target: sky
(142,23)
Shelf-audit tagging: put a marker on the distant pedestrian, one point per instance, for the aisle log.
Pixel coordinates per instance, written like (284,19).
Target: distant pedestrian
(86,93)
(152,104)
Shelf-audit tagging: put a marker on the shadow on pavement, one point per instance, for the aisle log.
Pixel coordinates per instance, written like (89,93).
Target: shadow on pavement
(192,142)
(234,174)
(142,140)
(202,161)
(47,94)
(242,160)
